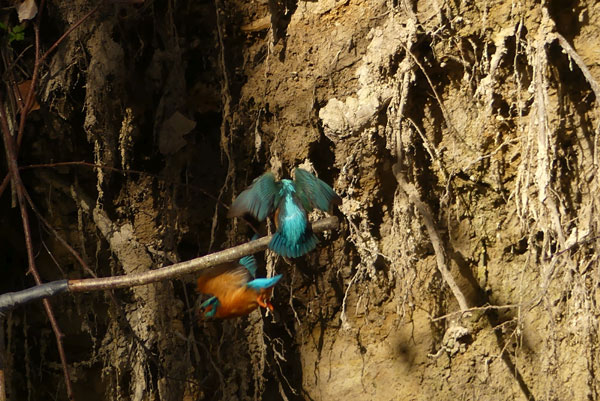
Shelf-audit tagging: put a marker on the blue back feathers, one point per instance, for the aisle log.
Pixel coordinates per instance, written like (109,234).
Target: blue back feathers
(291,219)
(294,236)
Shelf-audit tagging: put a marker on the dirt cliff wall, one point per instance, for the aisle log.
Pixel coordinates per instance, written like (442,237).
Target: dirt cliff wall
(462,138)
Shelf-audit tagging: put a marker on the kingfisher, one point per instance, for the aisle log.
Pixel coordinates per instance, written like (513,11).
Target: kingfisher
(290,201)
(234,289)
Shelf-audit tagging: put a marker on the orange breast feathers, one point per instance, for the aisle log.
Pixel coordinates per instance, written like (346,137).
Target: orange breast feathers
(229,286)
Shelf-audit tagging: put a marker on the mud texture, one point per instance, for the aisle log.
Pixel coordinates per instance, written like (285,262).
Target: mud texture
(461,136)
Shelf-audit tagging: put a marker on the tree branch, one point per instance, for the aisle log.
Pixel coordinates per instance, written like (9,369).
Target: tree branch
(12,299)
(190,266)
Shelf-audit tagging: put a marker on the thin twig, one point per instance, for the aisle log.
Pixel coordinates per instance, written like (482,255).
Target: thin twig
(437,97)
(71,29)
(2,361)
(226,117)
(578,243)
(580,63)
(31,92)
(475,309)
(4,183)
(12,150)
(434,236)
(2,385)
(16,179)
(38,60)
(58,237)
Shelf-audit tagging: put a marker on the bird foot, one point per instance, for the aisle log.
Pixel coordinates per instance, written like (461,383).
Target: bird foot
(264,303)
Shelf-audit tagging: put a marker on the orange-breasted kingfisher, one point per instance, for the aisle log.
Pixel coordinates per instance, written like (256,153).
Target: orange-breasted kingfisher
(232,291)
(290,201)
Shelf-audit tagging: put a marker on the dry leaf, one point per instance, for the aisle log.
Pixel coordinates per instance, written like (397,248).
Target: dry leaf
(170,138)
(21,93)
(27,10)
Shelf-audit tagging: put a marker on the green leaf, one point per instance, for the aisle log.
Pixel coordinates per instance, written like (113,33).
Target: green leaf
(18,28)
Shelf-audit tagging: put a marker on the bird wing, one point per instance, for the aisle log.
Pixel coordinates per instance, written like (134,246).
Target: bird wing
(214,271)
(258,199)
(313,192)
(249,262)
(223,279)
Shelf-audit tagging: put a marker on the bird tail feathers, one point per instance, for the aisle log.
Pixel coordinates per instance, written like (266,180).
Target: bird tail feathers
(262,283)
(282,246)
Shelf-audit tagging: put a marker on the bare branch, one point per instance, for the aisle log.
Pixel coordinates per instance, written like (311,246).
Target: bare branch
(183,268)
